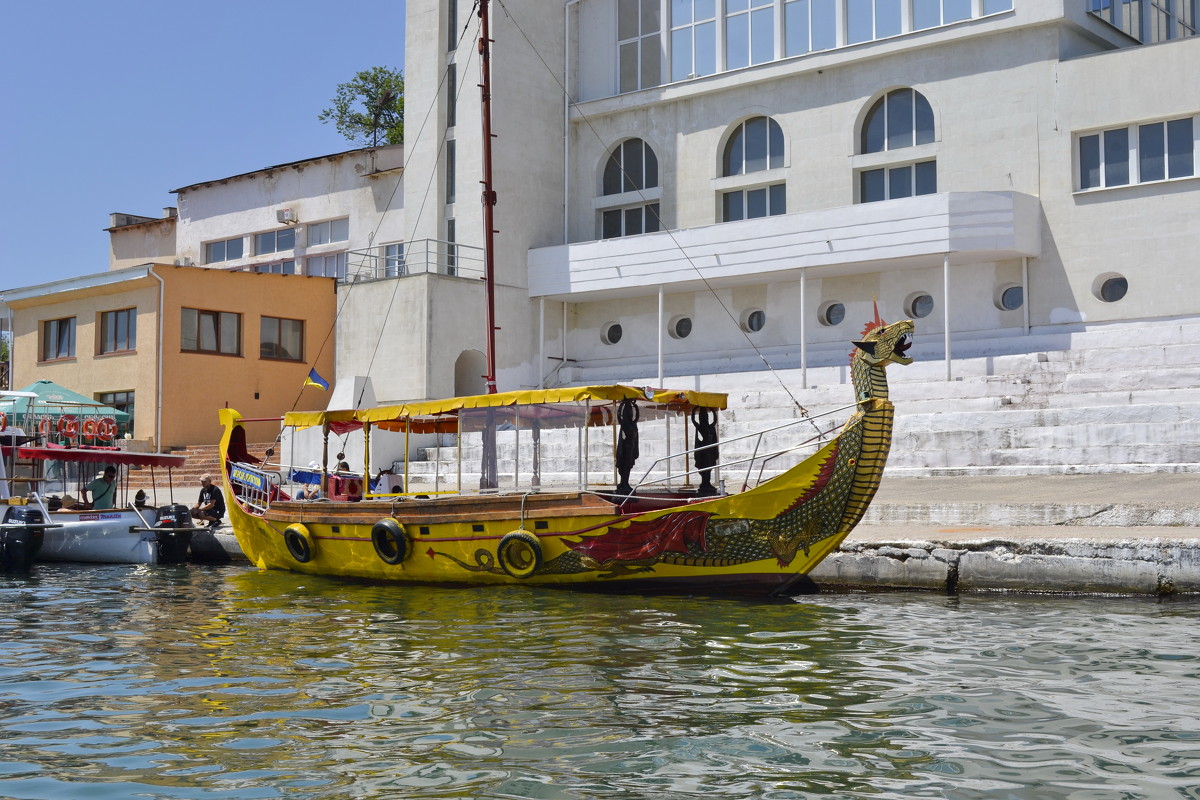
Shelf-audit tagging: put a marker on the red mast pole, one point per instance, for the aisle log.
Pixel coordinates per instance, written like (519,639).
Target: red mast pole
(489,196)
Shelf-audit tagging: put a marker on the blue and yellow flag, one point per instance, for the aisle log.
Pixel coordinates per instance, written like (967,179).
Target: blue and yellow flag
(314,379)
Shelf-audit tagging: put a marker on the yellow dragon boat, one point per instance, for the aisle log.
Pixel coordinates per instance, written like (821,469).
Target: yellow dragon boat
(678,528)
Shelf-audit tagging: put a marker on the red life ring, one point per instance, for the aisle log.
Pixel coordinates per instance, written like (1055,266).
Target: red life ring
(106,428)
(44,425)
(89,427)
(68,426)
(3,421)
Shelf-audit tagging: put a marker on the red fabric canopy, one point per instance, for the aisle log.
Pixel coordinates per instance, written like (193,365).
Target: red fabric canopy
(98,455)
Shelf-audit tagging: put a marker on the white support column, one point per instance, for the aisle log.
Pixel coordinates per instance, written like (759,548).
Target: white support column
(946,308)
(541,368)
(803,329)
(661,325)
(1025,292)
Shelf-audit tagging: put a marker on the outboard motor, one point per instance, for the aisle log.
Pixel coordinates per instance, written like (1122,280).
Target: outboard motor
(174,530)
(21,537)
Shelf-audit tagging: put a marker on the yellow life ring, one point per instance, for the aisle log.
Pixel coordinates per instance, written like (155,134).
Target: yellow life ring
(391,541)
(300,543)
(519,553)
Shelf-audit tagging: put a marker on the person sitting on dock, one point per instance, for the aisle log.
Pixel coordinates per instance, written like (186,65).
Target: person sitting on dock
(210,507)
(104,489)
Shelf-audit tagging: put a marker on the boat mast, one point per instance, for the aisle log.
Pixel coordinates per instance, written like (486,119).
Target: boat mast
(489,196)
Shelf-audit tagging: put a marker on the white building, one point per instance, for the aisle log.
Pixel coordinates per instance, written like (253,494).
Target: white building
(736,177)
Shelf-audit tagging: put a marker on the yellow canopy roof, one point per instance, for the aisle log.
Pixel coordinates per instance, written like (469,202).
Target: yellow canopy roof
(424,410)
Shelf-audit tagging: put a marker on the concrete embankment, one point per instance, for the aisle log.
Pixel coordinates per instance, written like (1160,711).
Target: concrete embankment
(1111,533)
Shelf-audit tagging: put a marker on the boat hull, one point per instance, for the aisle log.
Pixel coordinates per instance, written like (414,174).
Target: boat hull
(113,536)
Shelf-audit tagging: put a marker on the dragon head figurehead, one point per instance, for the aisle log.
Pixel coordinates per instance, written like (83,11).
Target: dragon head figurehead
(882,343)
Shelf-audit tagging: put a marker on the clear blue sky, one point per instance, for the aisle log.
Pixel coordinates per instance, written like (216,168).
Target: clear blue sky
(108,106)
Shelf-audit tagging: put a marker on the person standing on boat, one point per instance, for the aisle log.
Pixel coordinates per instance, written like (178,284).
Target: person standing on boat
(210,507)
(103,489)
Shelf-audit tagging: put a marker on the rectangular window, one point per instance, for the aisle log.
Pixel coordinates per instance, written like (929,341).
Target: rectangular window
(893,183)
(118,330)
(334,230)
(210,332)
(278,268)
(766,201)
(451,96)
(1165,150)
(393,260)
(328,266)
(629,221)
(693,38)
(749,32)
(228,250)
(871,19)
(274,241)
(121,401)
(639,51)
(451,249)
(451,177)
(281,339)
(58,339)
(451,25)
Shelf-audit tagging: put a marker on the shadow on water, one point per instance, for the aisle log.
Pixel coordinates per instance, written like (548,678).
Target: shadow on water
(230,682)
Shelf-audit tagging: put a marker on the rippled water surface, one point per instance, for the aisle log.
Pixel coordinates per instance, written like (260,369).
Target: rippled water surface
(165,682)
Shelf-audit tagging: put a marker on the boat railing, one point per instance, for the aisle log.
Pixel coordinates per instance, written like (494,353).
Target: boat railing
(254,486)
(756,455)
(400,260)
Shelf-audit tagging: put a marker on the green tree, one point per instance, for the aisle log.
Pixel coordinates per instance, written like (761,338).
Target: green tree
(369,110)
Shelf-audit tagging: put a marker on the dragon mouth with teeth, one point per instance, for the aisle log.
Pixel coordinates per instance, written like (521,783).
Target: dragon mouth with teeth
(900,350)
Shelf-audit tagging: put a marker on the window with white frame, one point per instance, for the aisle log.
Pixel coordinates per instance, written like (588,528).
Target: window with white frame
(639,48)
(274,241)
(708,36)
(899,121)
(749,32)
(631,181)
(333,230)
(693,38)
(332,265)
(277,268)
(58,339)
(227,250)
(393,260)
(1142,153)
(756,146)
(1149,20)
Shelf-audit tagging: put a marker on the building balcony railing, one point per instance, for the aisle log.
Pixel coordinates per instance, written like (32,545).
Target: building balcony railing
(432,256)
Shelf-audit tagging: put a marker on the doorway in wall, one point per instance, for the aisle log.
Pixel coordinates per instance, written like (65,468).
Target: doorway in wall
(469,370)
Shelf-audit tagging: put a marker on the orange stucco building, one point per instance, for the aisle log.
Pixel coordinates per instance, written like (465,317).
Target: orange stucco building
(174,344)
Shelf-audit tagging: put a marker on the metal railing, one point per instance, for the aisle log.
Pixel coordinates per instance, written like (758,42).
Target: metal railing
(433,256)
(761,458)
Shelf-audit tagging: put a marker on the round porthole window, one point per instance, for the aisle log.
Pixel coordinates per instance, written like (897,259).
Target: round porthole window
(611,333)
(1113,289)
(919,304)
(1010,298)
(831,313)
(753,320)
(680,327)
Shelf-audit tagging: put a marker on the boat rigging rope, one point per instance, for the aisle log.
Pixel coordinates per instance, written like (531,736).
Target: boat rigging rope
(699,273)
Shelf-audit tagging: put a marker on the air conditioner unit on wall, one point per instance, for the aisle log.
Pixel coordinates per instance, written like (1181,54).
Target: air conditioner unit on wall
(183,262)
(285,216)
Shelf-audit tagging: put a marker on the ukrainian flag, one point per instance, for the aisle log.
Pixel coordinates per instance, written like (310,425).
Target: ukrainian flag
(314,379)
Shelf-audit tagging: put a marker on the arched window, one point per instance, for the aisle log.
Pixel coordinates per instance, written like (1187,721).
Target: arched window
(900,119)
(631,180)
(755,146)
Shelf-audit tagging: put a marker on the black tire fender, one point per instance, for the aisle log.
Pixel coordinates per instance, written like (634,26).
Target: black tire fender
(300,543)
(391,541)
(519,553)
